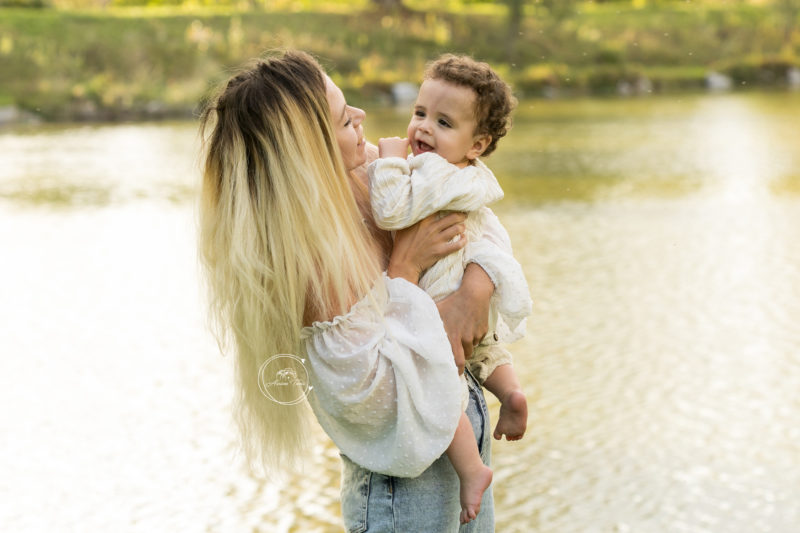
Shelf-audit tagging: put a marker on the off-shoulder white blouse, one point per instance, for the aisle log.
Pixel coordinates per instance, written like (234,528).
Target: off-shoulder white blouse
(385,386)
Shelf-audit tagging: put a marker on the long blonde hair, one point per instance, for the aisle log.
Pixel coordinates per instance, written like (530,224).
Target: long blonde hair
(282,240)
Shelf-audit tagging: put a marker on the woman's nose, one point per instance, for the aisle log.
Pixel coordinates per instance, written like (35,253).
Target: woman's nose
(358,116)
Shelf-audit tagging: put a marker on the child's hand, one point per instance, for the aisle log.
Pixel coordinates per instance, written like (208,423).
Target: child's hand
(393,147)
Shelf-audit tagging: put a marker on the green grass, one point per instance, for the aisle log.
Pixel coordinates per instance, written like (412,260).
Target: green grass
(125,62)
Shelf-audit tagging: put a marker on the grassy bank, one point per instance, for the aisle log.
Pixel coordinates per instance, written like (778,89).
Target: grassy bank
(133,62)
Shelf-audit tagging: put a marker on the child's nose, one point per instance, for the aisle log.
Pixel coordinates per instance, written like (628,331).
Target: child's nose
(425,125)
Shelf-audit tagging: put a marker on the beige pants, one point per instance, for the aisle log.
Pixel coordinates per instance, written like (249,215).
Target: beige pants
(485,358)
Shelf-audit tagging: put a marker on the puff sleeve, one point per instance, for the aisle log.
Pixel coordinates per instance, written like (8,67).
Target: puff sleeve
(385,386)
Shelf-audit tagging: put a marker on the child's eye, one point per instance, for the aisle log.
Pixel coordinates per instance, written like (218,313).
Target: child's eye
(349,120)
(420,114)
(443,122)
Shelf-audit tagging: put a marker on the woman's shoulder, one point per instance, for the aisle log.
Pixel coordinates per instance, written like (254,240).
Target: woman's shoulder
(386,292)
(356,311)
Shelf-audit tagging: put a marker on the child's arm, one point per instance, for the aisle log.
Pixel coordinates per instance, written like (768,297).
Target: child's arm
(403,191)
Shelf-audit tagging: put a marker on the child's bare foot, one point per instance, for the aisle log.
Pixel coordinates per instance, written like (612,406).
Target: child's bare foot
(513,416)
(472,489)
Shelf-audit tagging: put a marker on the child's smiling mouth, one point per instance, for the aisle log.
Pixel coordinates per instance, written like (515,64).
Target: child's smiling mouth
(423,147)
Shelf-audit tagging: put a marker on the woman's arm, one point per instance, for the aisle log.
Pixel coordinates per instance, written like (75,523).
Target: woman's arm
(384,386)
(465,313)
(383,383)
(492,274)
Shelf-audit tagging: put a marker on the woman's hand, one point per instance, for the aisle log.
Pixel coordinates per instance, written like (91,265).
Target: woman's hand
(465,313)
(419,246)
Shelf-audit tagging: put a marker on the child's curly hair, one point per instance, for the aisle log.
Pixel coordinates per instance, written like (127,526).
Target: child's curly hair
(494,101)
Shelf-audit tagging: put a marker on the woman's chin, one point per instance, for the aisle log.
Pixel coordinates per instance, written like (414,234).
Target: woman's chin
(361,154)
(357,162)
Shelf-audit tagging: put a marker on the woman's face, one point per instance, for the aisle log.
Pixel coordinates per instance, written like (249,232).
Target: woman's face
(347,125)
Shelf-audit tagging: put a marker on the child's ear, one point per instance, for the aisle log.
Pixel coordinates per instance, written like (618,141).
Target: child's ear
(479,145)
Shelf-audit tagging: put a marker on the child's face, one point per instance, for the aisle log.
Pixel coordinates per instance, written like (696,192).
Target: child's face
(444,122)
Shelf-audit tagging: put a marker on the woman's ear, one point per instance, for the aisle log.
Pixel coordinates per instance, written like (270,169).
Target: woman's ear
(478,146)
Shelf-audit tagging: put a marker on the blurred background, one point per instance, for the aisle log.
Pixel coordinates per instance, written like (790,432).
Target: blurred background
(112,59)
(652,184)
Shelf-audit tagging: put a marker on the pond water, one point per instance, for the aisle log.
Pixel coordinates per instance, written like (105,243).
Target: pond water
(661,241)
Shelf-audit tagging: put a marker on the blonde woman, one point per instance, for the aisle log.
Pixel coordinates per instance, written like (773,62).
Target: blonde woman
(295,265)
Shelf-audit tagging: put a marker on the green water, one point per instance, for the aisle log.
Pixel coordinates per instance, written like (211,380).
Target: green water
(660,240)
(593,150)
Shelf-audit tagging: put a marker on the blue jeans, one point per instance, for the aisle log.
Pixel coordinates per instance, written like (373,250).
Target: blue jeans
(429,503)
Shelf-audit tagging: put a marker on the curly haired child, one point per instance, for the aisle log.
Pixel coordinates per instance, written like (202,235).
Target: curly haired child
(462,110)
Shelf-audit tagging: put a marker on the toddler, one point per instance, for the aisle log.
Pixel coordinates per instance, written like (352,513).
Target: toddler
(462,110)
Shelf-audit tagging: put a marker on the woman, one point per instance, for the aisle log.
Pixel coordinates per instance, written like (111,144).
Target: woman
(295,265)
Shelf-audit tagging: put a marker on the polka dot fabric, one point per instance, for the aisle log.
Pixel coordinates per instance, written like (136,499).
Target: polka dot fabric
(385,387)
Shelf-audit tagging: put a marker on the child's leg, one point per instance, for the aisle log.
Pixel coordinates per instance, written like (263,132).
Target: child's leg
(503,383)
(475,477)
